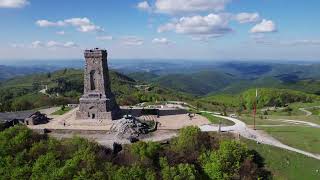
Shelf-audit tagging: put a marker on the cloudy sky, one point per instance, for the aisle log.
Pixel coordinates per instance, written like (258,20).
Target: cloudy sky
(161,29)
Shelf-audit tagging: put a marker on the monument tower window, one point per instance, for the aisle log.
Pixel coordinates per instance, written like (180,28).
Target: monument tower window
(92,80)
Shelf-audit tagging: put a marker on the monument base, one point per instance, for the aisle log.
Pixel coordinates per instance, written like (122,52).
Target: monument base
(98,108)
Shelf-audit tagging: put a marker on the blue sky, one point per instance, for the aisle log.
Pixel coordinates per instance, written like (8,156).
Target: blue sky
(161,29)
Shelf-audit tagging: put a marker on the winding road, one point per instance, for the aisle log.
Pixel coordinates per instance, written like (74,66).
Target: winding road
(259,136)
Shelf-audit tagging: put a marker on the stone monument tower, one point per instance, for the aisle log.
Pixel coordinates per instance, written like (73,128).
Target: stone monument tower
(97,102)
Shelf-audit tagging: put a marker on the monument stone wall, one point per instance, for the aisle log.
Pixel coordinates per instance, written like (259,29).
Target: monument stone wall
(97,102)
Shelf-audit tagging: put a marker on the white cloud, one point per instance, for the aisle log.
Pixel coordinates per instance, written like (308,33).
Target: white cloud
(81,24)
(55,44)
(203,38)
(212,25)
(13,3)
(161,41)
(265,26)
(182,6)
(37,44)
(104,38)
(61,32)
(17,45)
(70,44)
(132,40)
(46,23)
(247,17)
(52,44)
(144,5)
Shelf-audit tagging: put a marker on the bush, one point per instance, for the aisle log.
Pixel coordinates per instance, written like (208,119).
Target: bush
(179,172)
(224,163)
(188,140)
(145,150)
(129,172)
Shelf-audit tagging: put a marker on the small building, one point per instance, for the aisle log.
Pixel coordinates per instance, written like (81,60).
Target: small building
(8,119)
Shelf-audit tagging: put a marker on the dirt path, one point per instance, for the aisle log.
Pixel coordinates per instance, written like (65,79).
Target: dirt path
(308,113)
(259,136)
(297,122)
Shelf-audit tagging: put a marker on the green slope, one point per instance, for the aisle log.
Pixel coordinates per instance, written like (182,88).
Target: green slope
(66,86)
(266,97)
(200,83)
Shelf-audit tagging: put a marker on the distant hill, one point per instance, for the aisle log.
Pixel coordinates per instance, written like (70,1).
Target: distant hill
(66,86)
(143,76)
(266,97)
(7,72)
(200,83)
(234,78)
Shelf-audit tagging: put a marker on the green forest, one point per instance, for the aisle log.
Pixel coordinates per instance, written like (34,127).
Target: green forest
(66,86)
(25,154)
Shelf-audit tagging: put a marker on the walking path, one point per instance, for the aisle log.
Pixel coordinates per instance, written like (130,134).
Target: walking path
(259,136)
(297,122)
(177,122)
(308,113)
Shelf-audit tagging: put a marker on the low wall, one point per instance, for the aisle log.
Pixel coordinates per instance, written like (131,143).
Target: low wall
(160,112)
(70,131)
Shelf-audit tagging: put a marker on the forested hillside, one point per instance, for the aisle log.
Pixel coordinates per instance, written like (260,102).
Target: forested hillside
(7,72)
(192,155)
(236,77)
(200,83)
(66,86)
(267,97)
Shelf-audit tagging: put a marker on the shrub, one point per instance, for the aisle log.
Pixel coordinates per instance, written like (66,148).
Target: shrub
(224,163)
(145,149)
(188,140)
(178,172)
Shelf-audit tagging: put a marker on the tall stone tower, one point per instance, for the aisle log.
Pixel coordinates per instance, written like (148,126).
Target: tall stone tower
(97,102)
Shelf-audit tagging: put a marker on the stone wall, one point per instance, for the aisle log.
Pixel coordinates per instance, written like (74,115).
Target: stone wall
(160,112)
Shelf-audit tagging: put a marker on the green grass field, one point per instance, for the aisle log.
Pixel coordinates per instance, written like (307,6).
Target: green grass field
(61,112)
(286,164)
(216,120)
(315,111)
(305,138)
(248,119)
(312,118)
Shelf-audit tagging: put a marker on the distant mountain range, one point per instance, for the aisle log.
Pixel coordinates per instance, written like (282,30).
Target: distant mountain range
(233,77)
(196,77)
(7,72)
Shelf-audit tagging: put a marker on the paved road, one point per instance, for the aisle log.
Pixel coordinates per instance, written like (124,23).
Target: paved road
(241,128)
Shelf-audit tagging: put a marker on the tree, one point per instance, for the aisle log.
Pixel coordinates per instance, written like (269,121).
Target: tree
(133,172)
(179,172)
(46,167)
(226,161)
(188,140)
(145,150)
